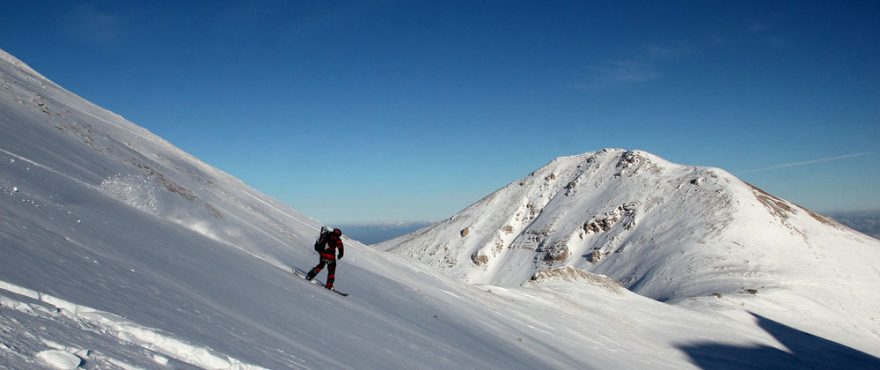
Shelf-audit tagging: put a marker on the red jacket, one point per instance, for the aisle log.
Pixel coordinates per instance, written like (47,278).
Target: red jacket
(330,244)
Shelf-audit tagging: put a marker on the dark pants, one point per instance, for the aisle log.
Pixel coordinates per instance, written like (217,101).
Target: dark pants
(330,261)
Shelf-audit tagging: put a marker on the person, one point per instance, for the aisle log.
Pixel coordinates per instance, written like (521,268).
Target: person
(327,245)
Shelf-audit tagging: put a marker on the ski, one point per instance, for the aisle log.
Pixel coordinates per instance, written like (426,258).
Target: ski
(302,274)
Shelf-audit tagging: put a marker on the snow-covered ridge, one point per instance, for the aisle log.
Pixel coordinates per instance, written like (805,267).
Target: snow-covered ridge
(8,58)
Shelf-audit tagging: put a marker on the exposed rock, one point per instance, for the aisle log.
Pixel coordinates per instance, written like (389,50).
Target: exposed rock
(479,259)
(606,221)
(556,253)
(594,256)
(577,275)
(778,207)
(632,162)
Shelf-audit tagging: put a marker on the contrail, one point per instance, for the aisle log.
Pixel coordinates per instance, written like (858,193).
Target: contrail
(803,163)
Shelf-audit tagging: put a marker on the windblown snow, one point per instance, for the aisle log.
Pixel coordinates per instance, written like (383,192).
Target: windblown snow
(120,251)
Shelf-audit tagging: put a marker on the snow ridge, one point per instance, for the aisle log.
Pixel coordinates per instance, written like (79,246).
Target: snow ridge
(8,58)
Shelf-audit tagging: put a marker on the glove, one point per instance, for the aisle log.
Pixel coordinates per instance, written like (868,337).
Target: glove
(339,257)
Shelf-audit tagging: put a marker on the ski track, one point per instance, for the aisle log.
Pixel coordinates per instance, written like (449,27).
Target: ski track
(120,327)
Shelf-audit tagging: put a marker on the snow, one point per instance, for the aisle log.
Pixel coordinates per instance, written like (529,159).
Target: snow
(59,359)
(116,326)
(125,252)
(134,190)
(160,360)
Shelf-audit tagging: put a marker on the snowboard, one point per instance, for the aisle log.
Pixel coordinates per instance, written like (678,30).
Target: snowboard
(302,274)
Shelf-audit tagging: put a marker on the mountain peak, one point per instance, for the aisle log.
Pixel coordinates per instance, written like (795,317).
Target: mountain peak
(664,230)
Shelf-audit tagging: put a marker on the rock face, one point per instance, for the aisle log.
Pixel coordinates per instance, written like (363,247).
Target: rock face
(572,274)
(663,230)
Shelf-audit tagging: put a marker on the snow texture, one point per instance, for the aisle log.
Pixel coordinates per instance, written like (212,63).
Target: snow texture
(125,252)
(59,359)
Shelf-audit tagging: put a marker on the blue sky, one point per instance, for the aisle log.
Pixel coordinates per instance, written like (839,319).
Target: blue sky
(372,111)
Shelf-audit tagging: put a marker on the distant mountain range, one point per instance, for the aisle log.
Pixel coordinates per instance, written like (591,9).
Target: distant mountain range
(867,222)
(376,233)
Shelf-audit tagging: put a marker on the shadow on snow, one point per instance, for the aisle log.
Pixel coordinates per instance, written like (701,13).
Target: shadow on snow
(805,351)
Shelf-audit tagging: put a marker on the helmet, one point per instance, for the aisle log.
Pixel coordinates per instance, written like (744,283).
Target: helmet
(337,232)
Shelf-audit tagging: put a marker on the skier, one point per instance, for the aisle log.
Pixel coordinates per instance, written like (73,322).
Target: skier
(327,245)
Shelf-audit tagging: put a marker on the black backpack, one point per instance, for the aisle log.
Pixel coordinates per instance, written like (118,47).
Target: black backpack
(322,239)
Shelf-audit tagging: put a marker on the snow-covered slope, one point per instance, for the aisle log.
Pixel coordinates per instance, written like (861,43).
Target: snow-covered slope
(666,231)
(118,250)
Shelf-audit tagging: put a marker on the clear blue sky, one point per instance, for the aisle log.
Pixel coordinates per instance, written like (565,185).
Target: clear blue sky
(369,111)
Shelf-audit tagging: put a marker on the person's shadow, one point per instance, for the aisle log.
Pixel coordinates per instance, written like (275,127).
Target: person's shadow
(807,351)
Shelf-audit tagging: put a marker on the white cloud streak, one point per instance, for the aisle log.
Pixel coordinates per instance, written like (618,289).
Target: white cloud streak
(644,64)
(804,163)
(93,25)
(619,72)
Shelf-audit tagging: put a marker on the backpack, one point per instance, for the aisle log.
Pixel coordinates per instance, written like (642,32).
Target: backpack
(322,239)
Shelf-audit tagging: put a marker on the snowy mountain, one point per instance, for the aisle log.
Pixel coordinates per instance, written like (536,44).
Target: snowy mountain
(118,250)
(666,231)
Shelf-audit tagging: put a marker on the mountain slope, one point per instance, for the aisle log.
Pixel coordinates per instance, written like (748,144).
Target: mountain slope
(118,250)
(113,238)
